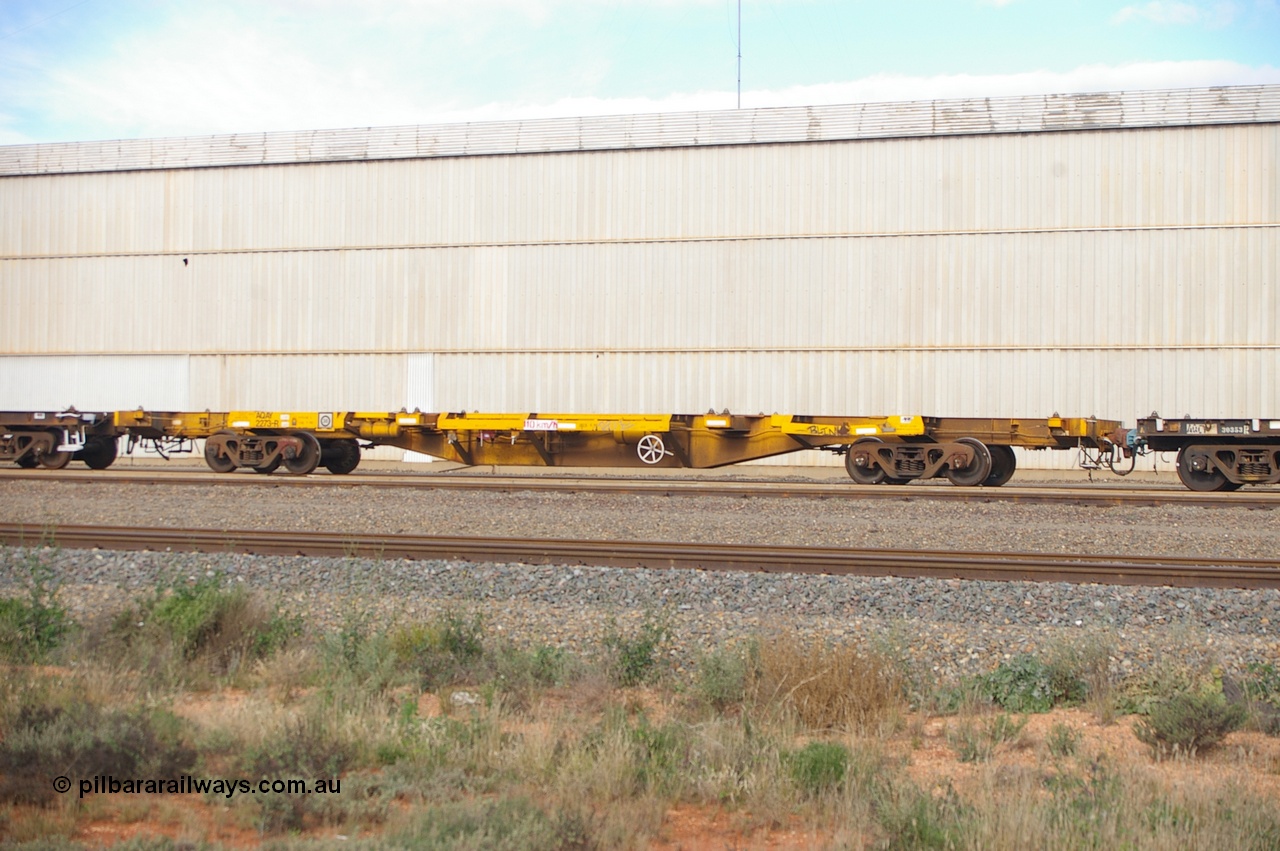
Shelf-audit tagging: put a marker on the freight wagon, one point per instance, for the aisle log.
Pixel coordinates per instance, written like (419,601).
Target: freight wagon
(876,449)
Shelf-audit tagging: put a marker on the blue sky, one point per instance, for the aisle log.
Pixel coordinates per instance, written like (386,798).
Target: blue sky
(73,70)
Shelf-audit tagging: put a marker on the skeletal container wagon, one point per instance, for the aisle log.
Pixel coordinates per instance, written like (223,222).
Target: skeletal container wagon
(876,449)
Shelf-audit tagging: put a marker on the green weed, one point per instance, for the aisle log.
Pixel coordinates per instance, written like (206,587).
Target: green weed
(914,820)
(818,767)
(660,753)
(199,627)
(977,743)
(447,649)
(1027,684)
(35,623)
(1062,740)
(634,657)
(722,676)
(1260,687)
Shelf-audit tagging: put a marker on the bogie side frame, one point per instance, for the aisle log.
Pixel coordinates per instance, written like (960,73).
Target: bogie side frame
(877,449)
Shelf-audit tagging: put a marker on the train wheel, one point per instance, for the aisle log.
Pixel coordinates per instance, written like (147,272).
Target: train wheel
(859,462)
(1198,473)
(308,459)
(977,472)
(55,460)
(28,462)
(341,456)
(217,456)
(99,453)
(1003,463)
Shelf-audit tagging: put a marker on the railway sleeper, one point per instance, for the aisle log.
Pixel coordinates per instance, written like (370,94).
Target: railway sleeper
(1224,466)
(966,462)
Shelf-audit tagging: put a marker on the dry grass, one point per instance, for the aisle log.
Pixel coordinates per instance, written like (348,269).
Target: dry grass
(829,687)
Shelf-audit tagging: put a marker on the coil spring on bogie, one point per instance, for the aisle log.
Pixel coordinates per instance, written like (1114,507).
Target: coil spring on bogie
(1253,465)
(908,465)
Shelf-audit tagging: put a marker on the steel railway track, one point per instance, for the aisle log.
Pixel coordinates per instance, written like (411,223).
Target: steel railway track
(1116,570)
(1075,494)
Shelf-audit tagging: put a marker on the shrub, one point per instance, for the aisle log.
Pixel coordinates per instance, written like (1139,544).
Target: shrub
(1159,684)
(722,676)
(357,661)
(505,824)
(632,658)
(660,753)
(306,749)
(818,767)
(206,618)
(447,649)
(31,626)
(1260,687)
(81,740)
(518,672)
(1189,723)
(977,744)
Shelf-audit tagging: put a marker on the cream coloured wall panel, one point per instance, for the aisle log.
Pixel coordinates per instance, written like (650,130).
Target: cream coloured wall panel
(1146,288)
(1167,177)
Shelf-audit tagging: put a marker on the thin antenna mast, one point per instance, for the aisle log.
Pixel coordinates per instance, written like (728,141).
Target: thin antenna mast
(739,54)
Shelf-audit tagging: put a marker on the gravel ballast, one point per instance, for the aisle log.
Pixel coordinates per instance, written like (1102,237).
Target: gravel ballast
(949,627)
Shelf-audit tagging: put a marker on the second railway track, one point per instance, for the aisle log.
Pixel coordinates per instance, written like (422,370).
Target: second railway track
(1077,494)
(939,564)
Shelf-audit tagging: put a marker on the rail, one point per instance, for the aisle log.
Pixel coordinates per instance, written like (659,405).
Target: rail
(1102,494)
(937,564)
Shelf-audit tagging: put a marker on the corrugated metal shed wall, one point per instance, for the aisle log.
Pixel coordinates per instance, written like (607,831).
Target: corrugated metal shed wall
(1164,288)
(1099,272)
(1183,177)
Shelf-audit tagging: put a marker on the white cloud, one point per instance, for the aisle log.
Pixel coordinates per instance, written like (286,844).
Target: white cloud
(1176,13)
(888,87)
(167,98)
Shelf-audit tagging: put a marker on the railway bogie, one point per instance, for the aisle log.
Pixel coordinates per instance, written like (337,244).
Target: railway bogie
(52,439)
(966,462)
(298,452)
(1215,454)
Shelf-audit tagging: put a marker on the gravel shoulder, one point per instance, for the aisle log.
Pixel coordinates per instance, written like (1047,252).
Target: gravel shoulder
(946,628)
(911,522)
